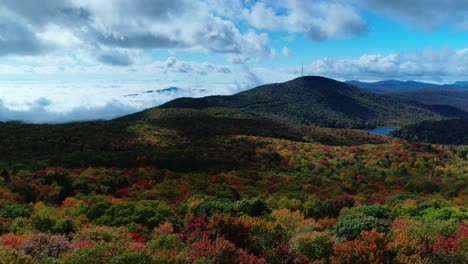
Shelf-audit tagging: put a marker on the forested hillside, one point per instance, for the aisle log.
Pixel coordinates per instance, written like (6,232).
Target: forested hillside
(451,131)
(185,186)
(310,100)
(437,96)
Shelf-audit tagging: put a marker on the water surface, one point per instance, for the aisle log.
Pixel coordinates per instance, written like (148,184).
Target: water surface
(382,130)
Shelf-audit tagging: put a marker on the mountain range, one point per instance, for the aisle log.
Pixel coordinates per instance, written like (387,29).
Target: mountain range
(394,86)
(311,100)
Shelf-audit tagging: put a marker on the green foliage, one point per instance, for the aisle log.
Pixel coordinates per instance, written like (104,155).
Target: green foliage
(118,235)
(147,213)
(9,256)
(164,242)
(97,210)
(252,207)
(43,223)
(352,222)
(308,100)
(452,131)
(316,246)
(14,210)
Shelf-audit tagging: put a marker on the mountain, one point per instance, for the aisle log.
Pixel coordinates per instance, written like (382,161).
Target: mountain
(437,96)
(309,100)
(450,131)
(393,86)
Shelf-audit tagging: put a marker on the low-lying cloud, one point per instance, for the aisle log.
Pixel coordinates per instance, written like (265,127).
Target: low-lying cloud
(38,113)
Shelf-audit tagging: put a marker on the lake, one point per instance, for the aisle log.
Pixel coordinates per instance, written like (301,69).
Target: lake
(382,130)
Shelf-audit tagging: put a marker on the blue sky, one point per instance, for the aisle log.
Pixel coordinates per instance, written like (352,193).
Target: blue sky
(212,47)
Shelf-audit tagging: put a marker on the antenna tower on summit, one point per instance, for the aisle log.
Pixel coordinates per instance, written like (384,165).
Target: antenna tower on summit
(302,69)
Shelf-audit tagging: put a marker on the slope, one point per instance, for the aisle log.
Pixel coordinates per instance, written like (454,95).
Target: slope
(308,100)
(437,96)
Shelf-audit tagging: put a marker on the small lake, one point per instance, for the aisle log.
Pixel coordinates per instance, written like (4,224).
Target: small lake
(382,130)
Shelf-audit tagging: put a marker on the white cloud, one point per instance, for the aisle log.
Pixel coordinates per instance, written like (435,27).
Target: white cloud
(445,64)
(427,14)
(287,52)
(102,27)
(317,20)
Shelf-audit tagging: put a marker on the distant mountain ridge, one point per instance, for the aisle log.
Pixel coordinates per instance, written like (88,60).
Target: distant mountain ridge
(311,100)
(391,86)
(437,96)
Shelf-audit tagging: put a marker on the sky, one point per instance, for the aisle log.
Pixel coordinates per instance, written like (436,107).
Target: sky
(72,60)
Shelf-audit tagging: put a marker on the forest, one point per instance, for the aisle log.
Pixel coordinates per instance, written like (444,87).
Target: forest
(188,187)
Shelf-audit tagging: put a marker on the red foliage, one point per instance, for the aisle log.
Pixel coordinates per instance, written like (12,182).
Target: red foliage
(221,251)
(122,193)
(12,241)
(370,247)
(136,237)
(137,246)
(84,244)
(212,179)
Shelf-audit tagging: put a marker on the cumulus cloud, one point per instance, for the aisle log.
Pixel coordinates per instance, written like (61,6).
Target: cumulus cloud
(100,26)
(427,14)
(438,65)
(317,20)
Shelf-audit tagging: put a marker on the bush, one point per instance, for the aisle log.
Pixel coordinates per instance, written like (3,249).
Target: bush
(214,206)
(362,218)
(314,245)
(350,226)
(221,251)
(117,235)
(164,242)
(147,213)
(41,246)
(19,226)
(66,226)
(10,255)
(370,247)
(97,210)
(43,223)
(252,207)
(91,255)
(15,211)
(282,254)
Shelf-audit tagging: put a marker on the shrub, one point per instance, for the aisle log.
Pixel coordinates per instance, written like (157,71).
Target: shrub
(98,254)
(147,213)
(314,245)
(10,255)
(404,249)
(13,241)
(43,223)
(19,226)
(267,235)
(14,211)
(282,254)
(42,245)
(252,207)
(350,226)
(118,235)
(221,251)
(362,218)
(164,242)
(370,247)
(66,226)
(97,210)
